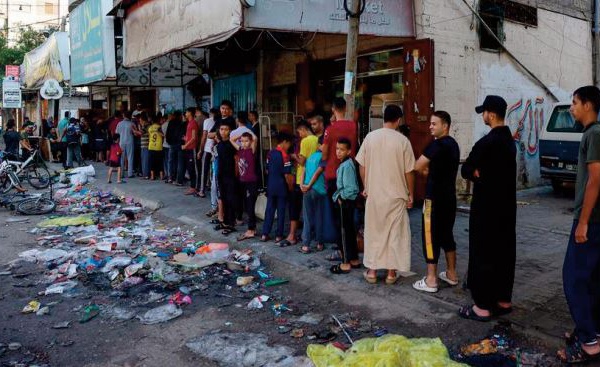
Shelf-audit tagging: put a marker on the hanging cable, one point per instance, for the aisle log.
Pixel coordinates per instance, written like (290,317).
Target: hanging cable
(301,48)
(361,10)
(251,47)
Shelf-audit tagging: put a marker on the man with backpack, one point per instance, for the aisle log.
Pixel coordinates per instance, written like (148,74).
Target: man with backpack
(73,140)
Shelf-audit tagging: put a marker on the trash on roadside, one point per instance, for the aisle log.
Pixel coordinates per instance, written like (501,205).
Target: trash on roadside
(64,221)
(60,288)
(279,308)
(89,312)
(242,281)
(257,302)
(180,299)
(31,307)
(14,346)
(297,333)
(161,314)
(43,311)
(274,282)
(62,325)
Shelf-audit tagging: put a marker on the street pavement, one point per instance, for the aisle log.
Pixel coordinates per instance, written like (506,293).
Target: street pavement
(543,225)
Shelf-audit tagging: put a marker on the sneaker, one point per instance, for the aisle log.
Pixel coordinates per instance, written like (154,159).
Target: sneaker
(444,277)
(421,285)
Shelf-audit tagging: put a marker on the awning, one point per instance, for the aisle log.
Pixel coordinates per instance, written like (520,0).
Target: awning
(157,27)
(50,60)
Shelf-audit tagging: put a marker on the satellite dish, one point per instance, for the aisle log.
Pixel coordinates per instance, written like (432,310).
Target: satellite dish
(248,3)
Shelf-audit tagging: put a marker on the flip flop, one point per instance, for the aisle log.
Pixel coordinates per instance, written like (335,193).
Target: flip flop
(467,312)
(337,269)
(305,250)
(391,280)
(220,226)
(369,279)
(285,243)
(228,230)
(334,256)
(215,221)
(443,276)
(575,354)
(265,238)
(421,285)
(501,311)
(243,237)
(320,247)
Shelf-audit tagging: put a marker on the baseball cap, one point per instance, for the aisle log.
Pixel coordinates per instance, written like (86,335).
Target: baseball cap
(494,104)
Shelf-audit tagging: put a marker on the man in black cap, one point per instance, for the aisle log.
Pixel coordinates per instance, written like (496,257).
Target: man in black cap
(491,166)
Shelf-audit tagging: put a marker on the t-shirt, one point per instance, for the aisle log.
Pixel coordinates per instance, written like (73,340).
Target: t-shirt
(112,125)
(589,151)
(278,165)
(444,156)
(145,138)
(155,137)
(311,166)
(11,140)
(338,129)
(247,165)
(164,128)
(308,146)
(226,163)
(191,133)
(125,132)
(208,124)
(62,126)
(115,153)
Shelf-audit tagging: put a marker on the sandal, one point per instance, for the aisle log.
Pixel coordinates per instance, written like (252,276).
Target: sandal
(244,237)
(571,337)
(334,256)
(215,221)
(443,276)
(320,247)
(368,278)
(228,230)
(421,285)
(467,312)
(285,243)
(305,250)
(265,238)
(220,226)
(391,280)
(574,354)
(337,269)
(278,239)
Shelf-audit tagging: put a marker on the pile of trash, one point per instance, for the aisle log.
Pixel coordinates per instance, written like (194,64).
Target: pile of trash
(102,243)
(388,350)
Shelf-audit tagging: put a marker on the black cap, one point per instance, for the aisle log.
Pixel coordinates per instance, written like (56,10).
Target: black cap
(494,104)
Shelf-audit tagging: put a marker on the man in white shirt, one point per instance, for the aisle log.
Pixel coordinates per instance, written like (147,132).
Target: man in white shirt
(205,152)
(164,125)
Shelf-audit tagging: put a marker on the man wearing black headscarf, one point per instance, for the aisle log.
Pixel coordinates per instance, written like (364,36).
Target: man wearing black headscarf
(491,166)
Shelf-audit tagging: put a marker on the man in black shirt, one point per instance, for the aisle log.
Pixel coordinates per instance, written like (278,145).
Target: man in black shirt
(226,118)
(11,138)
(439,163)
(226,179)
(492,167)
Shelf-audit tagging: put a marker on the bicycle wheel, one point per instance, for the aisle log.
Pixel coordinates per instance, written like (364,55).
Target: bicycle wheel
(36,206)
(8,181)
(38,177)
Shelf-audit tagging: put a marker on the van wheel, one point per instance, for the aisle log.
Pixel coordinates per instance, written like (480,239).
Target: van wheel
(558,188)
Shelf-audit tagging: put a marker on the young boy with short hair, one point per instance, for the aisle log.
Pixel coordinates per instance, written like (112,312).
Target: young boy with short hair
(114,159)
(315,194)
(226,179)
(344,198)
(155,149)
(279,182)
(248,179)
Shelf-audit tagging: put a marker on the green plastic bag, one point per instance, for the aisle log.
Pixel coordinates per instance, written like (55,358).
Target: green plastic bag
(79,220)
(325,356)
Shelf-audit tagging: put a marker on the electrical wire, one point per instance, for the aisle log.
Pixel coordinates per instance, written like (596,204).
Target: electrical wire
(361,9)
(251,47)
(30,24)
(301,48)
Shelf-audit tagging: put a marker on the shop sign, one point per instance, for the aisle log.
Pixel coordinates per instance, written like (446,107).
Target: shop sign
(51,90)
(11,94)
(156,28)
(380,17)
(48,61)
(12,71)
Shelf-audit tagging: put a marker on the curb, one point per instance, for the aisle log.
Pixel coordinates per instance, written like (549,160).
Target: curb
(146,203)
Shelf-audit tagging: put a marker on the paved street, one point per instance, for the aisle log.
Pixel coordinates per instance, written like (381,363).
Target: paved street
(538,321)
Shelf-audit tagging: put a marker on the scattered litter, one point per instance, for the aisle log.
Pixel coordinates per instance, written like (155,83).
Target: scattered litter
(279,308)
(242,281)
(297,333)
(89,312)
(161,314)
(43,311)
(80,220)
(257,302)
(14,346)
(274,282)
(62,325)
(31,307)
(310,318)
(180,299)
(17,220)
(59,288)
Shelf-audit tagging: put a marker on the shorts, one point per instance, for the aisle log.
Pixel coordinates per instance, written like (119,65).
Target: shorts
(156,161)
(437,229)
(295,202)
(114,164)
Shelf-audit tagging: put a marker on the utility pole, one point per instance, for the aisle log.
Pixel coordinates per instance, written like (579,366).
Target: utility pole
(353,11)
(6,24)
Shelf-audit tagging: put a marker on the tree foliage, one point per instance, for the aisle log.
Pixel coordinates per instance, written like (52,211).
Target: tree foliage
(27,39)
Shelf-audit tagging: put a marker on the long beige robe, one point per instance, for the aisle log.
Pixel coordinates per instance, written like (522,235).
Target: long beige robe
(386,156)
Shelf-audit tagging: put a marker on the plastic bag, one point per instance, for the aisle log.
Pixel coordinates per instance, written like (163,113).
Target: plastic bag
(325,356)
(79,220)
(161,314)
(117,262)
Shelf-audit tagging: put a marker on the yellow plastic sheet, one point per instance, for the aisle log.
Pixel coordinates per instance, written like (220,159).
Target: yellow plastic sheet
(79,220)
(387,351)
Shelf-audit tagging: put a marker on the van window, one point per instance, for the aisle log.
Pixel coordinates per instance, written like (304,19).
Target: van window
(562,121)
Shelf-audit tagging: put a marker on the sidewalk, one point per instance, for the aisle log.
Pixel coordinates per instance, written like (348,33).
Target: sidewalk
(543,225)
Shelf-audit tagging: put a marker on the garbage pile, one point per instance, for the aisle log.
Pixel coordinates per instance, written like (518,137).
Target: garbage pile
(388,350)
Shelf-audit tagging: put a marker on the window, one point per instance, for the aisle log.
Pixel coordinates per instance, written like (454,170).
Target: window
(49,8)
(494,12)
(562,121)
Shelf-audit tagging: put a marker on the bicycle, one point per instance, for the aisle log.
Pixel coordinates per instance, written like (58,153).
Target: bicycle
(8,178)
(29,204)
(33,169)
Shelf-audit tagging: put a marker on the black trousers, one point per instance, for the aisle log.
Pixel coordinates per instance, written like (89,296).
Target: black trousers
(227,187)
(250,190)
(347,240)
(437,229)
(205,172)
(240,203)
(191,166)
(63,153)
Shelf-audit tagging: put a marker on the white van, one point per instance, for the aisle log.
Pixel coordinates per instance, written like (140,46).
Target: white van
(559,147)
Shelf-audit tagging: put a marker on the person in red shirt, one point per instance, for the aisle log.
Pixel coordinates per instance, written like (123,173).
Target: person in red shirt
(189,149)
(339,128)
(114,159)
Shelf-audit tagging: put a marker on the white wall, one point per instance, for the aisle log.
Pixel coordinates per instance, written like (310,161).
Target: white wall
(558,52)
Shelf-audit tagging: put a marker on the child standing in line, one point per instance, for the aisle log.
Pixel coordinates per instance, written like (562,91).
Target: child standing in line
(248,179)
(155,147)
(344,197)
(315,194)
(279,182)
(226,172)
(114,159)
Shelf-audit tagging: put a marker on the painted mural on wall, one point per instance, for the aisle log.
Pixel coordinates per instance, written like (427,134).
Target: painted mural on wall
(525,116)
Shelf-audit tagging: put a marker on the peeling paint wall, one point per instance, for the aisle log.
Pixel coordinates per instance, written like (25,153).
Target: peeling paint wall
(558,51)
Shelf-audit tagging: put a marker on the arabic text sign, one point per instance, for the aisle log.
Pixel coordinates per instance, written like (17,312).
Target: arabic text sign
(11,94)
(12,70)
(87,58)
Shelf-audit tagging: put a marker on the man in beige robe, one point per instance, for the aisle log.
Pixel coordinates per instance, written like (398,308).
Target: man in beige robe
(386,163)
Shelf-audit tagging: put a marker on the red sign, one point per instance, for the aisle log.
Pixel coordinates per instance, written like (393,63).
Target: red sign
(12,70)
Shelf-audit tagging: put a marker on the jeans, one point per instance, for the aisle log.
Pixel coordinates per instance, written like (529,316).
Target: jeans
(205,171)
(145,162)
(166,165)
(275,204)
(174,153)
(314,204)
(581,282)
(214,191)
(127,154)
(74,150)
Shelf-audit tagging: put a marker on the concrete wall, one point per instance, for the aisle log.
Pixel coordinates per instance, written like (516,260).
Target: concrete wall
(558,51)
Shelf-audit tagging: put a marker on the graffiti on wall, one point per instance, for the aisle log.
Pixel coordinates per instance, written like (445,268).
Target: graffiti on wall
(526,119)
